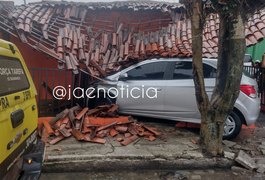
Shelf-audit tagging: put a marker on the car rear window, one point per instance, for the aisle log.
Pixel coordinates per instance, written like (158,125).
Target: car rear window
(12,76)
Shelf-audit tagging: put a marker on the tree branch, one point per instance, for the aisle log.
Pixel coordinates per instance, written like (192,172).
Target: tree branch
(197,31)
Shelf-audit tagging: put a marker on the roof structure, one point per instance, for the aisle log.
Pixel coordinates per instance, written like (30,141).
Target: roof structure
(103,37)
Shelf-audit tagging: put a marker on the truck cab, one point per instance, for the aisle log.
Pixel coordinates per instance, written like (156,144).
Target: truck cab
(21,154)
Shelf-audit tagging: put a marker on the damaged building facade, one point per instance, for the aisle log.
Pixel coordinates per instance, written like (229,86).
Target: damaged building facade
(69,43)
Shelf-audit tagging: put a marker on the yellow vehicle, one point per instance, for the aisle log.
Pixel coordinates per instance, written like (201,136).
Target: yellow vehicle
(20,151)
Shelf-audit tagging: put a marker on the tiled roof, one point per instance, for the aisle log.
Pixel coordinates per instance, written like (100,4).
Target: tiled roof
(104,36)
(134,5)
(255,30)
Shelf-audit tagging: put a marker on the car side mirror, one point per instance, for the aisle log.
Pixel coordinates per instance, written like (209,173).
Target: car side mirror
(123,77)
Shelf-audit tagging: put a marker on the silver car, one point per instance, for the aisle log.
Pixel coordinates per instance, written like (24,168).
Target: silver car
(164,88)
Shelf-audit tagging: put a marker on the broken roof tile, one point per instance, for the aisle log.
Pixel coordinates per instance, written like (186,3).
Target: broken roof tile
(81,34)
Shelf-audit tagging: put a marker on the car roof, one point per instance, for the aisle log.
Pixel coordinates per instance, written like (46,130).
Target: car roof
(212,62)
(206,60)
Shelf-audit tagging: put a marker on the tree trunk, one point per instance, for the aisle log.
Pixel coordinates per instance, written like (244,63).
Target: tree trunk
(229,67)
(197,31)
(201,95)
(229,73)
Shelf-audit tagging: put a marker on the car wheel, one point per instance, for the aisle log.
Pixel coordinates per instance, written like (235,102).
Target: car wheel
(232,126)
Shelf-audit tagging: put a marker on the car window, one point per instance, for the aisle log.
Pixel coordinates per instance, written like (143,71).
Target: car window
(183,70)
(209,71)
(150,71)
(12,76)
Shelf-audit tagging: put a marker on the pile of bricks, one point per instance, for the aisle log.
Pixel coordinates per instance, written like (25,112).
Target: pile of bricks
(94,125)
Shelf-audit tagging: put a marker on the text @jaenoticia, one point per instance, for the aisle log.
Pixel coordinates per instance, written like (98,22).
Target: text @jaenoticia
(60,92)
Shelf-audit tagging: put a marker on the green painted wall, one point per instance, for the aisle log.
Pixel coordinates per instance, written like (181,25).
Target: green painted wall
(257,51)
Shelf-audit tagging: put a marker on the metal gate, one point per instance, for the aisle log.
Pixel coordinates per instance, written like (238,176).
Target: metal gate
(46,79)
(259,74)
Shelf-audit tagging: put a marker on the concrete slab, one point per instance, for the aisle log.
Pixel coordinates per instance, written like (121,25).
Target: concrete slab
(229,155)
(245,160)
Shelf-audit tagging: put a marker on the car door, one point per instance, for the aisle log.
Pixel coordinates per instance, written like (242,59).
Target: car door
(180,100)
(143,89)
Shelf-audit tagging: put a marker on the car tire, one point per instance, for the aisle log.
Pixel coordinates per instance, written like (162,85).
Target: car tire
(232,126)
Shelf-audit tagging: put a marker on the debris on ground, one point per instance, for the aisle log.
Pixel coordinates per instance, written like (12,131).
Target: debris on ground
(245,160)
(262,148)
(261,169)
(194,141)
(229,155)
(229,144)
(188,125)
(241,170)
(94,125)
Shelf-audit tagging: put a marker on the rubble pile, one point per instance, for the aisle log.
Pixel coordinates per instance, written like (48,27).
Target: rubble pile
(244,157)
(93,125)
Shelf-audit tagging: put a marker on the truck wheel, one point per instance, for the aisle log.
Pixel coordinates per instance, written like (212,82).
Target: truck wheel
(232,126)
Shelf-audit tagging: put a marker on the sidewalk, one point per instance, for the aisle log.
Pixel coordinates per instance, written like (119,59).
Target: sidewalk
(175,149)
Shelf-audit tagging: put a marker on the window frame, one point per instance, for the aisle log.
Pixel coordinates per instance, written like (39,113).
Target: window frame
(173,65)
(165,76)
(211,67)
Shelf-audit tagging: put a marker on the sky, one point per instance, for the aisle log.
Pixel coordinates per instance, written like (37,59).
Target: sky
(19,2)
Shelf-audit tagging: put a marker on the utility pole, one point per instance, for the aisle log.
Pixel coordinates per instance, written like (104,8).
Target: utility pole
(25,2)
